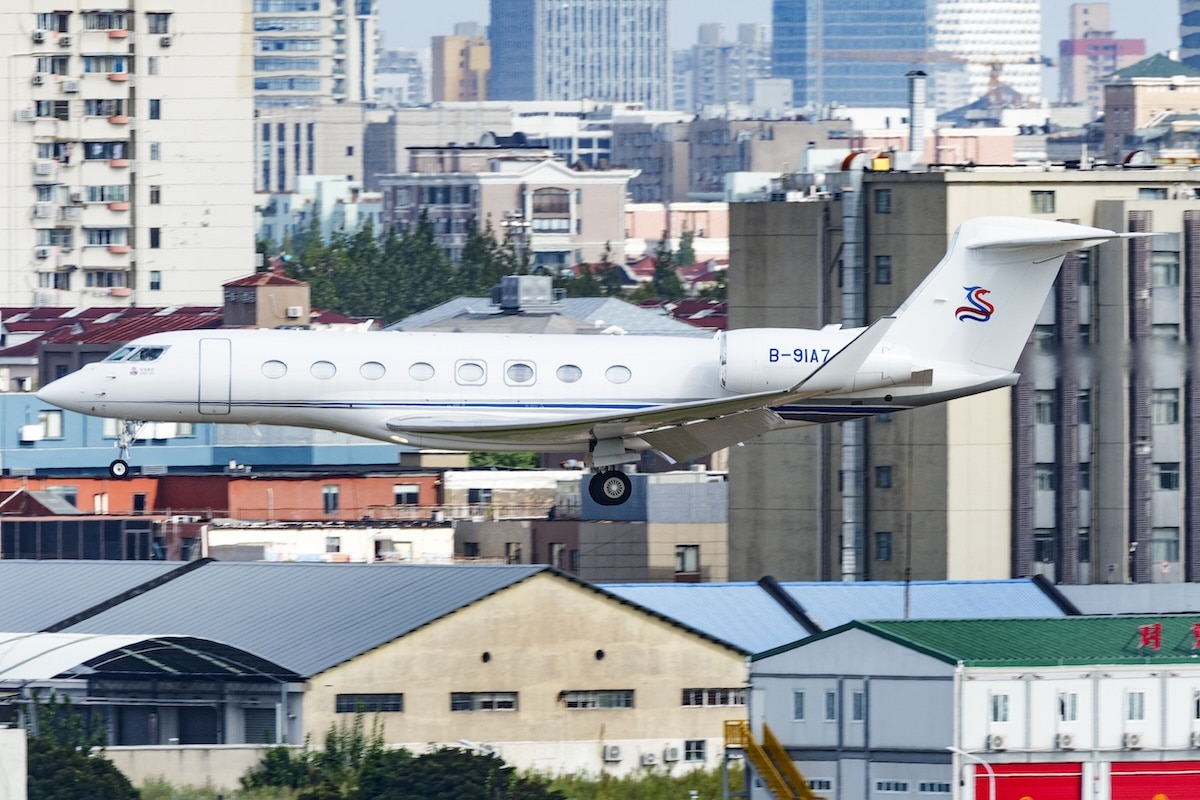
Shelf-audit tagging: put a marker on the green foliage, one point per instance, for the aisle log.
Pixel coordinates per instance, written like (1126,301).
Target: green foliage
(652,784)
(720,288)
(665,284)
(452,774)
(504,460)
(332,773)
(161,789)
(64,762)
(685,256)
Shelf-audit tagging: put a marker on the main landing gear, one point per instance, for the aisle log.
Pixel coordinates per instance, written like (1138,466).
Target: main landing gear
(610,487)
(127,431)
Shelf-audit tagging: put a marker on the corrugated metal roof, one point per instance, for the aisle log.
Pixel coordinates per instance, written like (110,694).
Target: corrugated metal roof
(1041,642)
(306,617)
(833,604)
(741,614)
(1135,598)
(36,594)
(601,312)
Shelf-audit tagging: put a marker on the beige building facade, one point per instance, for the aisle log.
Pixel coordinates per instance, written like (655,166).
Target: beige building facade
(1079,472)
(594,685)
(110,112)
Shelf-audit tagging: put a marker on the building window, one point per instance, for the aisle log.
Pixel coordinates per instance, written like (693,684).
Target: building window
(155,238)
(1084,409)
(1164,545)
(1166,475)
(858,706)
(156,109)
(1068,706)
(1041,202)
(53,109)
(1043,406)
(51,422)
(105,151)
(477,497)
(892,787)
(1085,545)
(118,193)
(883,545)
(1164,268)
(883,201)
(329,498)
(1044,337)
(1045,478)
(933,787)
(687,558)
(1166,332)
(483,701)
(152,65)
(883,270)
(368,703)
(831,705)
(155,280)
(714,697)
(1085,476)
(1084,260)
(57,21)
(798,706)
(611,698)
(1164,406)
(1044,546)
(107,236)
(105,21)
(1135,706)
(101,65)
(155,195)
(406,494)
(155,151)
(694,750)
(333,544)
(158,23)
(512,552)
(883,477)
(999,708)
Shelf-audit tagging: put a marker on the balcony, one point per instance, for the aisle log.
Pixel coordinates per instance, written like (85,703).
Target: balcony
(118,77)
(118,205)
(118,249)
(118,119)
(119,163)
(118,34)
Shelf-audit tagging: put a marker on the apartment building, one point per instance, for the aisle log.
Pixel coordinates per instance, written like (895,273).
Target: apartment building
(128,172)
(1092,53)
(1081,472)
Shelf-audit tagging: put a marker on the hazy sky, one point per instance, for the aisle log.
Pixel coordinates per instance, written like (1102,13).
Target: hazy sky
(411,23)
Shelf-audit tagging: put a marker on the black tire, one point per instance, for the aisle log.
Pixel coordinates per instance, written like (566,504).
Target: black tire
(119,469)
(610,488)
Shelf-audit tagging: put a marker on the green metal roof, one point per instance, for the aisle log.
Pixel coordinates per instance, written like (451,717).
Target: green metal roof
(1156,66)
(1038,642)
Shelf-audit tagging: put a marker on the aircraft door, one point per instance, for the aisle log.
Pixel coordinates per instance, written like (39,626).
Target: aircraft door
(216,374)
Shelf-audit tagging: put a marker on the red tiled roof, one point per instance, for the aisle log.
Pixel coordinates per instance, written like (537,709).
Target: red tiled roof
(264,279)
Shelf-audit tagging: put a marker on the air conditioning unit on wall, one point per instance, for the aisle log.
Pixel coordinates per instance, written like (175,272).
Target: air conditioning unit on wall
(649,759)
(995,742)
(1131,741)
(612,752)
(1064,741)
(671,754)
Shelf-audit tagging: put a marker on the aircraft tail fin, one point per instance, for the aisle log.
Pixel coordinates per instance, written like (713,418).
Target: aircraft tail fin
(979,305)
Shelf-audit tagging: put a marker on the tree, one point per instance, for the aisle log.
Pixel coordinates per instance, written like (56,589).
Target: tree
(520,460)
(450,774)
(665,284)
(65,763)
(685,256)
(480,266)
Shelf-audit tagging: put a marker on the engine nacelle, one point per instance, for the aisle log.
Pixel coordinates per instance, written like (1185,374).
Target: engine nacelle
(776,359)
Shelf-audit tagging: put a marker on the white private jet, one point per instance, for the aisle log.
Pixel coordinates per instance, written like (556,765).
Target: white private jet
(958,334)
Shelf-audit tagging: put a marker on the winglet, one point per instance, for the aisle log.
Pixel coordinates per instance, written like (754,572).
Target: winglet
(839,372)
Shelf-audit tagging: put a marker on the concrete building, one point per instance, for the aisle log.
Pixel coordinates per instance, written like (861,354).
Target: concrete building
(1189,32)
(402,78)
(1065,708)
(724,72)
(556,217)
(337,205)
(1091,53)
(820,47)
(608,50)
(103,200)
(1082,471)
(295,142)
(1142,95)
(461,65)
(386,142)
(307,53)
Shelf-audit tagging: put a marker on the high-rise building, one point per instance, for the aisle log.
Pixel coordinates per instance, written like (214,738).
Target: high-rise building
(460,67)
(605,50)
(724,72)
(856,52)
(1091,54)
(1189,32)
(308,52)
(128,175)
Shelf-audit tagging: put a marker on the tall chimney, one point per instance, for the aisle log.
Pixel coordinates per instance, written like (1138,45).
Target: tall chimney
(917,99)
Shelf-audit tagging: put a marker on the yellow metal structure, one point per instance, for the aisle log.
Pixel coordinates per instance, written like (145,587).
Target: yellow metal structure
(770,761)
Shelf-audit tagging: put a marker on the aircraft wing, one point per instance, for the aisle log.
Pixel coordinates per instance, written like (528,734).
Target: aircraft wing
(681,431)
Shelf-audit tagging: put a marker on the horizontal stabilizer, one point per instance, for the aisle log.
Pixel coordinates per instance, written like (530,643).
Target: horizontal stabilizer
(698,439)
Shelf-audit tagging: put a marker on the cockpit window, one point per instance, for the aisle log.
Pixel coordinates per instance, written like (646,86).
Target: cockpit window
(148,354)
(120,355)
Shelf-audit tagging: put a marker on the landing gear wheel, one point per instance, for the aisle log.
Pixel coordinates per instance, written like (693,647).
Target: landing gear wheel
(610,488)
(119,469)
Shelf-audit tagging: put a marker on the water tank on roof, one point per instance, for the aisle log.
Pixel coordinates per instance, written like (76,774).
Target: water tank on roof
(526,293)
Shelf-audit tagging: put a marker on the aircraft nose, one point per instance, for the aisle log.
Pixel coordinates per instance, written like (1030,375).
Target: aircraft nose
(65,392)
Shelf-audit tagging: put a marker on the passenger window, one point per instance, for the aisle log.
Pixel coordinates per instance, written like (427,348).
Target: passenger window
(420,371)
(470,373)
(372,370)
(121,354)
(274,369)
(569,373)
(519,373)
(618,374)
(323,370)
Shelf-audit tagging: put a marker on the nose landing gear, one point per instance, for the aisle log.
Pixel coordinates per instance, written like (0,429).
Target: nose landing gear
(126,433)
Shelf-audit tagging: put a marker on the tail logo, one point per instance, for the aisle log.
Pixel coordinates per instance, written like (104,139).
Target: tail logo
(979,310)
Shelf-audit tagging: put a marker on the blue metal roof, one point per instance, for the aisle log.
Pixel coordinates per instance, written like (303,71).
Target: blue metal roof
(34,598)
(832,604)
(306,617)
(742,614)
